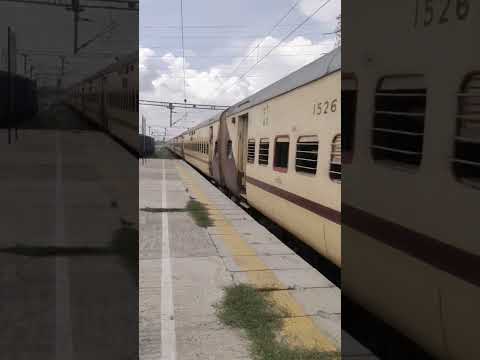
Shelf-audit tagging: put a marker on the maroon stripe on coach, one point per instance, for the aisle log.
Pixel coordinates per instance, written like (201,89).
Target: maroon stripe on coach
(309,205)
(434,252)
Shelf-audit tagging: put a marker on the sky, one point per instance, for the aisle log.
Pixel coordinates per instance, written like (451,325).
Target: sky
(223,42)
(46,32)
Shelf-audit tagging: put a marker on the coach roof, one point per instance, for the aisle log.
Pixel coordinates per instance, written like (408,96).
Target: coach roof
(317,69)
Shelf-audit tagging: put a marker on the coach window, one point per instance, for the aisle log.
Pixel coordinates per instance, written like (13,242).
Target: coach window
(466,161)
(349,106)
(251,151)
(400,104)
(263,151)
(229,149)
(307,154)
(280,158)
(336,159)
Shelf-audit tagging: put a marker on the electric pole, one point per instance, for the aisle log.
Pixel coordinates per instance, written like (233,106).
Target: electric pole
(76,18)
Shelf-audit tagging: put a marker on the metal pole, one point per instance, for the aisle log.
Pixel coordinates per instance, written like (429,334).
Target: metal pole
(76,18)
(9,86)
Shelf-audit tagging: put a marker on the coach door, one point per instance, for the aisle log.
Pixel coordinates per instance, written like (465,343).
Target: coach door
(210,148)
(242,150)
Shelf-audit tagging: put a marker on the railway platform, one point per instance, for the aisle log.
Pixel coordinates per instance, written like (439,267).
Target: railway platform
(190,254)
(65,203)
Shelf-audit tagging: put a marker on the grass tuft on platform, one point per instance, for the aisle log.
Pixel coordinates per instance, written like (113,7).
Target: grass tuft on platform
(250,310)
(199,213)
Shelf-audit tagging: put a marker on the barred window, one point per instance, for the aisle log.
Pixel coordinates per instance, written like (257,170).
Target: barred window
(251,151)
(307,154)
(280,161)
(263,151)
(466,162)
(399,120)
(336,159)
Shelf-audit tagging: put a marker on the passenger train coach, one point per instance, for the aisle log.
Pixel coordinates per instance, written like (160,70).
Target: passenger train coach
(109,99)
(411,104)
(280,150)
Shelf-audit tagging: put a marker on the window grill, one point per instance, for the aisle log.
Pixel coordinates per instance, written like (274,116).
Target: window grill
(307,154)
(280,161)
(336,159)
(251,151)
(263,151)
(466,161)
(349,106)
(399,120)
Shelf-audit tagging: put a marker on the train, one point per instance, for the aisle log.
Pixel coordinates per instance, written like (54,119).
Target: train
(24,104)
(109,100)
(410,93)
(147,145)
(279,150)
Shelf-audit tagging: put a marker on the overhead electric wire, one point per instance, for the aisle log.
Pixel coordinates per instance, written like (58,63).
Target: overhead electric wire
(280,42)
(266,36)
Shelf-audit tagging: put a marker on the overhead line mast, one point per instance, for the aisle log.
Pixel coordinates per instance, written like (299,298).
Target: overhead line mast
(171,105)
(183,65)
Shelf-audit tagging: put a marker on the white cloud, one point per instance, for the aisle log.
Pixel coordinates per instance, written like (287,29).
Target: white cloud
(162,79)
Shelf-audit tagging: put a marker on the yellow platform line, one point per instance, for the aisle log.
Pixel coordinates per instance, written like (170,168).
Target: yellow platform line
(299,329)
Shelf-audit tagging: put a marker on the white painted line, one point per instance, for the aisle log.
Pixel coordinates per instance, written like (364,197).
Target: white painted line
(63,324)
(169,337)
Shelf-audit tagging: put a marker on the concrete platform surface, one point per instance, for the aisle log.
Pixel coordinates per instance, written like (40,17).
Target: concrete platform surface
(57,190)
(184,268)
